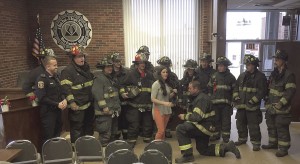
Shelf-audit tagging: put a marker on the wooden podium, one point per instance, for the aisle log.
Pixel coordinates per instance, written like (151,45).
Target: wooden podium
(22,121)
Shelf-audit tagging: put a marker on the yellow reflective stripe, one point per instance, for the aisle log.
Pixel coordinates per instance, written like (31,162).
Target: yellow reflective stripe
(290,85)
(286,110)
(101,103)
(283,101)
(185,147)
(217,150)
(122,90)
(110,95)
(201,128)
(226,87)
(67,82)
(202,114)
(83,107)
(218,101)
(244,106)
(272,139)
(255,99)
(235,94)
(255,142)
(283,143)
(275,92)
(140,105)
(30,94)
(226,133)
(70,97)
(186,117)
(80,86)
(247,89)
(186,93)
(146,89)
(243,139)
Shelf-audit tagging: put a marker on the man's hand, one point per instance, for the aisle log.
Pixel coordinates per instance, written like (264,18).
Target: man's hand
(125,95)
(181,116)
(63,104)
(74,106)
(237,98)
(277,106)
(106,110)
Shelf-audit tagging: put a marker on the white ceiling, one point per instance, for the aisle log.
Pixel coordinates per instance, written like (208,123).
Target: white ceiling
(263,4)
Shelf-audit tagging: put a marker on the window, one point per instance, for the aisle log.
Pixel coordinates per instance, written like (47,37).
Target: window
(167,27)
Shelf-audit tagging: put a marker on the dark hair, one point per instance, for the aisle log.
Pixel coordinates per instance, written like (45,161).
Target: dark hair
(196,84)
(161,81)
(47,59)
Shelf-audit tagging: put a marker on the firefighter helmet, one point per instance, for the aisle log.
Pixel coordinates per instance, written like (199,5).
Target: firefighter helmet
(141,57)
(143,49)
(207,57)
(104,62)
(192,64)
(250,59)
(76,50)
(115,57)
(281,54)
(223,60)
(165,61)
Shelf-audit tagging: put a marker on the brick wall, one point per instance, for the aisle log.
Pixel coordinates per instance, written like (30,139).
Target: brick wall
(14,40)
(18,26)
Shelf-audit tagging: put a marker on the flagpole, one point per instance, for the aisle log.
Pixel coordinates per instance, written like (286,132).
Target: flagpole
(38,18)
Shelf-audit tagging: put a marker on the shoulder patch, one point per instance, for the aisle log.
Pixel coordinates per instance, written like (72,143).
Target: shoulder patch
(40,84)
(43,75)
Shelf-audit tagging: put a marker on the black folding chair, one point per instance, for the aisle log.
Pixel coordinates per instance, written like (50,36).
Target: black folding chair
(57,150)
(116,145)
(122,156)
(153,156)
(162,146)
(28,154)
(88,149)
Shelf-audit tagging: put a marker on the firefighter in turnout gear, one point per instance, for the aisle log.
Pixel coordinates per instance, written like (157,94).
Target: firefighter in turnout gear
(221,87)
(205,71)
(77,81)
(144,50)
(119,74)
(199,125)
(282,88)
(139,100)
(251,87)
(106,102)
(188,76)
(174,83)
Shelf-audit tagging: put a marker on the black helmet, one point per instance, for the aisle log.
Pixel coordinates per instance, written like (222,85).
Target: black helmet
(143,49)
(281,54)
(104,62)
(165,61)
(207,57)
(192,64)
(223,60)
(250,59)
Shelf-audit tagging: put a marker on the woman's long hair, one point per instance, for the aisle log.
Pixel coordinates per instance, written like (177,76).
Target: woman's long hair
(163,82)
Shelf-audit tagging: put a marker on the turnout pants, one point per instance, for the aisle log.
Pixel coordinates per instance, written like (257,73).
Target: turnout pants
(278,130)
(223,120)
(249,120)
(81,123)
(107,127)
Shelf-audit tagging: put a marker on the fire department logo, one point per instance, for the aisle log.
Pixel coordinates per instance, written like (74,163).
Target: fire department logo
(71,28)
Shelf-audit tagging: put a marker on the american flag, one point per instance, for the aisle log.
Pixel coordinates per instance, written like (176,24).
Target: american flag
(38,43)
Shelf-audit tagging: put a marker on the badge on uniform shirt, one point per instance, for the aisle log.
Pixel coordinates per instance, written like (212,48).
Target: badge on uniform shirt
(41,84)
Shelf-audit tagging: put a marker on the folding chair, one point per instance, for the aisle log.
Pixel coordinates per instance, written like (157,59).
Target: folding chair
(28,155)
(153,156)
(162,146)
(122,156)
(116,145)
(88,149)
(57,150)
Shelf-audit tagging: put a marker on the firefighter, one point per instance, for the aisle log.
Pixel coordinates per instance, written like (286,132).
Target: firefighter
(77,81)
(119,74)
(174,83)
(106,102)
(29,84)
(199,125)
(251,87)
(137,89)
(221,87)
(282,88)
(205,71)
(145,50)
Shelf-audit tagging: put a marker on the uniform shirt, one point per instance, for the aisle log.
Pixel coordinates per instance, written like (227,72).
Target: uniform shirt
(157,93)
(29,84)
(48,90)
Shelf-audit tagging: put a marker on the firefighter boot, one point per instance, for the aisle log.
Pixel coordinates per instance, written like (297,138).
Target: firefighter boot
(270,146)
(239,142)
(256,147)
(185,159)
(168,133)
(230,147)
(281,153)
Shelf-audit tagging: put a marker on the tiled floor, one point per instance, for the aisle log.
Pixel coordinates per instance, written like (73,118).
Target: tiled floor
(248,156)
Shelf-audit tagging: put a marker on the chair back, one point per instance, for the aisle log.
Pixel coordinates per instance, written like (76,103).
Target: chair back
(57,150)
(153,156)
(28,152)
(122,156)
(88,148)
(116,145)
(162,146)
